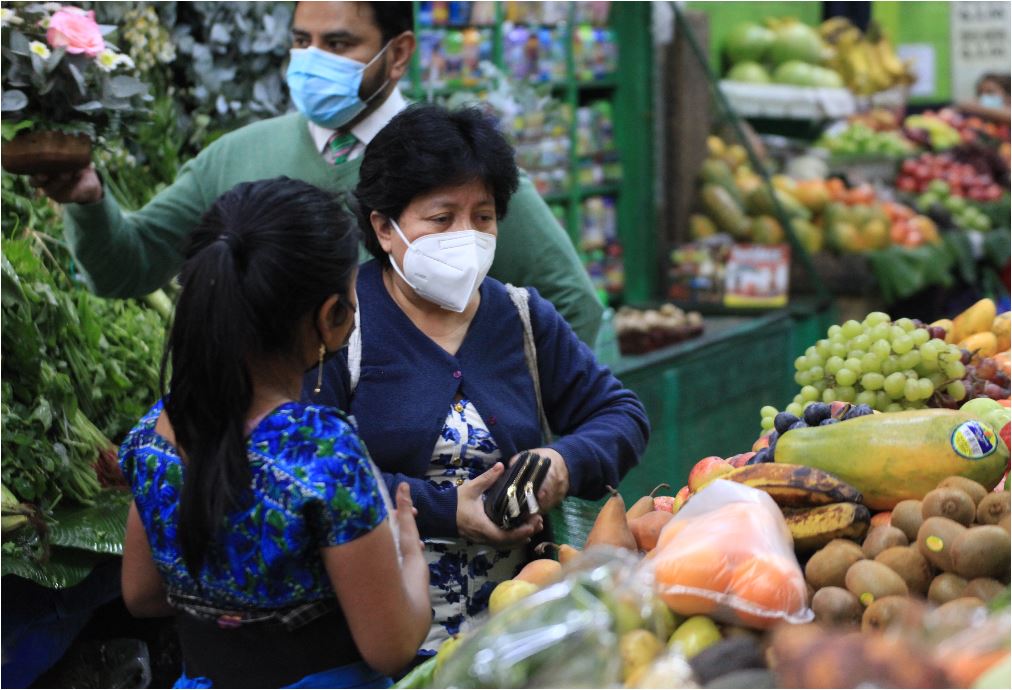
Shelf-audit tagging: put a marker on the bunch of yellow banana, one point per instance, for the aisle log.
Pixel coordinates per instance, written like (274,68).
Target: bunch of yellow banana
(817,506)
(867,61)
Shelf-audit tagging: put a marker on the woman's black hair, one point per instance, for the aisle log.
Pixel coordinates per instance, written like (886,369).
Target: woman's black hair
(427,147)
(265,256)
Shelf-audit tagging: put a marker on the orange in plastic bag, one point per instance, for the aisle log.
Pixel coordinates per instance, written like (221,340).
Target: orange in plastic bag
(728,554)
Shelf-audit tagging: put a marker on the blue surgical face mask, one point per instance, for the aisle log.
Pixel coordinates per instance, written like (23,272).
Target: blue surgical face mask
(992,100)
(325,86)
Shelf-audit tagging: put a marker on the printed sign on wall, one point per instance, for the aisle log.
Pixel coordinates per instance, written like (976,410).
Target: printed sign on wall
(980,43)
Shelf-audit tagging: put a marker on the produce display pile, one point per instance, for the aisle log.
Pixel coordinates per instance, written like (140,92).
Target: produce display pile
(78,372)
(836,54)
(850,547)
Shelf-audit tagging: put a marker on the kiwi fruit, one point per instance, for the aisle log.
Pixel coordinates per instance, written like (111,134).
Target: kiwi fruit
(992,507)
(869,581)
(908,563)
(984,588)
(907,517)
(954,616)
(982,551)
(828,566)
(836,606)
(974,490)
(881,538)
(888,611)
(935,539)
(946,587)
(1006,523)
(954,504)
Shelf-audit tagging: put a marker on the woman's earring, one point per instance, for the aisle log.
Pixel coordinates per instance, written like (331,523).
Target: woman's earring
(319,370)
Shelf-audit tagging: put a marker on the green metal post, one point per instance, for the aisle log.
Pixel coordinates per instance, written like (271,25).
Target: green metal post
(634,128)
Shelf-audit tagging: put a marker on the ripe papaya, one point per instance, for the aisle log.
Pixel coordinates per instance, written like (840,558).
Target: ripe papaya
(900,455)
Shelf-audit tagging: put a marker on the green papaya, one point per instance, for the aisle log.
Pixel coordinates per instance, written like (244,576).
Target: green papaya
(760,202)
(896,456)
(721,207)
(718,172)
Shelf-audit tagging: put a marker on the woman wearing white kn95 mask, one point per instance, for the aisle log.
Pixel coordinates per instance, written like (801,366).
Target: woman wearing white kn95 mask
(477,394)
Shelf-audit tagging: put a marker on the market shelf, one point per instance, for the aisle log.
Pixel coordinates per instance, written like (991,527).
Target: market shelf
(607,189)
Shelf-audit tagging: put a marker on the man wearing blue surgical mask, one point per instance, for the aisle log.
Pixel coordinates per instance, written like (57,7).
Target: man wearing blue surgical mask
(346,61)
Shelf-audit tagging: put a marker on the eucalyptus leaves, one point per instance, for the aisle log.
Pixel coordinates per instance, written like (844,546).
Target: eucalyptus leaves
(61,74)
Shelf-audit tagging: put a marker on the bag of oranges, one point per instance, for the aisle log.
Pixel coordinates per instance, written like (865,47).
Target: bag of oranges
(728,554)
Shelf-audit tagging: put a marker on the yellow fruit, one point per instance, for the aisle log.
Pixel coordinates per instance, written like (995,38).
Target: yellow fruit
(875,234)
(694,635)
(509,592)
(813,528)
(637,648)
(446,649)
(784,183)
(1000,328)
(715,145)
(794,485)
(899,455)
(701,226)
(983,344)
(977,318)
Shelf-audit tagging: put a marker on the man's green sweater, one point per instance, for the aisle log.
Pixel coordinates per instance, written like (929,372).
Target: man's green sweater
(131,254)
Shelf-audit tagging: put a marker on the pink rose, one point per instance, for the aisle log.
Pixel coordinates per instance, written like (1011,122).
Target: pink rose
(74,29)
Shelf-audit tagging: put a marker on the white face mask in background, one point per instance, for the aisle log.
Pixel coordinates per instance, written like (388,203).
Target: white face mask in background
(446,267)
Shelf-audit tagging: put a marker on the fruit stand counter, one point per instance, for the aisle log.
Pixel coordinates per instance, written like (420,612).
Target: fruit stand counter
(701,396)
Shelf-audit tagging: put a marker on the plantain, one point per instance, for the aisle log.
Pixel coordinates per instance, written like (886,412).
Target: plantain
(795,486)
(830,29)
(813,528)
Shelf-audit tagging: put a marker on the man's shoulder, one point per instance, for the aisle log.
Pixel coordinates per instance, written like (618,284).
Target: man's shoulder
(263,131)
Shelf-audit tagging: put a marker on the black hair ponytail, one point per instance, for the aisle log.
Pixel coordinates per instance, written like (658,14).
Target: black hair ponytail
(266,255)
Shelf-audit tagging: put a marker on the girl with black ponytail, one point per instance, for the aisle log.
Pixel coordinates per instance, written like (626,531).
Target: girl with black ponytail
(252,510)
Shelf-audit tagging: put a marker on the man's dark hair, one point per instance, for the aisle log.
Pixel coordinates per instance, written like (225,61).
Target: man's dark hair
(427,147)
(393,18)
(1004,81)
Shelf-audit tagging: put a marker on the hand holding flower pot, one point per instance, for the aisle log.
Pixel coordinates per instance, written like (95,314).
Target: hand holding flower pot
(64,86)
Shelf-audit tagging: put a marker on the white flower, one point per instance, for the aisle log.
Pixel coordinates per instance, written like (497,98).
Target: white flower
(54,7)
(8,17)
(107,60)
(39,48)
(124,61)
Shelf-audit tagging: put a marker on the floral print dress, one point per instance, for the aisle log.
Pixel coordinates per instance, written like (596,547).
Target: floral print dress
(462,573)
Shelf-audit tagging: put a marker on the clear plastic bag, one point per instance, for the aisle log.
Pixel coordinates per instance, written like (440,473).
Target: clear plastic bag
(565,635)
(728,554)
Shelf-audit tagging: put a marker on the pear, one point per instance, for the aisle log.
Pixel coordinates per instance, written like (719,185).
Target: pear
(509,592)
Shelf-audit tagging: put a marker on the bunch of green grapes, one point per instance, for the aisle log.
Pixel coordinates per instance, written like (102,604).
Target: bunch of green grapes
(885,364)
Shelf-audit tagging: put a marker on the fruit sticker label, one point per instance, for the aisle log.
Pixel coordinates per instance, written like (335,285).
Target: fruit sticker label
(973,440)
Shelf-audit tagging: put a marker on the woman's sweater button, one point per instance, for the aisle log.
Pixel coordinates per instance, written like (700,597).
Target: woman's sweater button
(457,374)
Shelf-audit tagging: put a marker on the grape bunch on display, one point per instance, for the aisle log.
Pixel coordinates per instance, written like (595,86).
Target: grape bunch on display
(886,365)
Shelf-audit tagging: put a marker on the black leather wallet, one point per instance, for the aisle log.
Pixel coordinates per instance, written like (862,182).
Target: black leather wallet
(514,496)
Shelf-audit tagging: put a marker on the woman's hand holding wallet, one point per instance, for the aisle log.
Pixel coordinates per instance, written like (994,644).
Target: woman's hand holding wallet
(474,524)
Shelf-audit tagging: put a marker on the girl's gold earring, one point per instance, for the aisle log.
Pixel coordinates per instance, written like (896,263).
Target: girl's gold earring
(319,370)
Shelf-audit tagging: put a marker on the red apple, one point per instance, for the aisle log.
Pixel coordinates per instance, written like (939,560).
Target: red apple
(706,470)
(1004,434)
(680,498)
(761,442)
(740,459)
(664,503)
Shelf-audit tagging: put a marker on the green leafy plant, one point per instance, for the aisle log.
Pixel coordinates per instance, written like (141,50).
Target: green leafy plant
(60,73)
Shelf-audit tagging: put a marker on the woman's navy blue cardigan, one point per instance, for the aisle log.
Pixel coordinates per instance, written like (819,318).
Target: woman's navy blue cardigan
(408,383)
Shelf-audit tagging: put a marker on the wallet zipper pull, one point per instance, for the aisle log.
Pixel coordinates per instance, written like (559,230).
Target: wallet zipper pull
(512,505)
(532,501)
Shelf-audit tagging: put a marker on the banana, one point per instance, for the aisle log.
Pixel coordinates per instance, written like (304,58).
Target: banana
(813,528)
(830,29)
(795,486)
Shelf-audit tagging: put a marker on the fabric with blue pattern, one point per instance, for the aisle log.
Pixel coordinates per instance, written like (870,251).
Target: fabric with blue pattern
(312,486)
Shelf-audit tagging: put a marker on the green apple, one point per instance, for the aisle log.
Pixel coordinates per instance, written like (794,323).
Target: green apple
(939,187)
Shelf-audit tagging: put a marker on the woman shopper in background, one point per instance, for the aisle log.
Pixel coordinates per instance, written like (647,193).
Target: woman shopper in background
(439,380)
(259,521)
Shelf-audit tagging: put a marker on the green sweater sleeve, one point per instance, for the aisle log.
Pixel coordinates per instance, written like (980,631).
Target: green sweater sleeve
(533,249)
(129,254)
